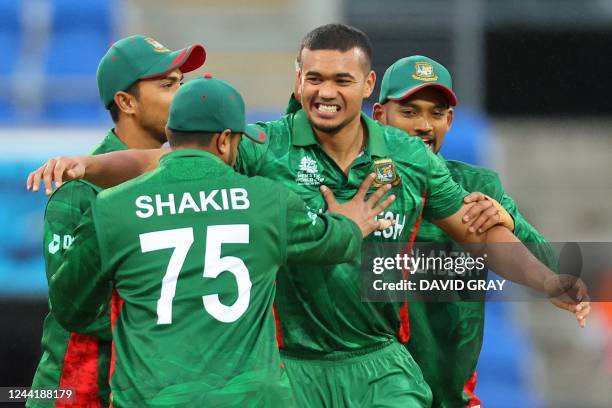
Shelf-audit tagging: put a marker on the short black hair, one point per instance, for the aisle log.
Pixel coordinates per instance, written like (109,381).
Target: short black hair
(133,90)
(177,138)
(340,37)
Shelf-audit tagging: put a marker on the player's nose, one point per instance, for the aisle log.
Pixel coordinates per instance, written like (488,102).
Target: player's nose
(327,90)
(422,126)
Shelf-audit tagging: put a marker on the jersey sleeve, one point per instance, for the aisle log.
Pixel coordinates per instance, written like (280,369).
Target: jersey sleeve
(321,239)
(80,291)
(62,216)
(444,196)
(250,153)
(530,236)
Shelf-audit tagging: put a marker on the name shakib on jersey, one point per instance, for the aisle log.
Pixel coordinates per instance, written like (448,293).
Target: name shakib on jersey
(171,204)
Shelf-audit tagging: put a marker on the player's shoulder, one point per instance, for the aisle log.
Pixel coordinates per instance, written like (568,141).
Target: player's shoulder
(142,182)
(74,194)
(475,178)
(259,183)
(471,169)
(278,128)
(401,146)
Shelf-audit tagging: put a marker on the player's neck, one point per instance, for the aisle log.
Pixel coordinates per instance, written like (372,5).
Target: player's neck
(135,137)
(345,145)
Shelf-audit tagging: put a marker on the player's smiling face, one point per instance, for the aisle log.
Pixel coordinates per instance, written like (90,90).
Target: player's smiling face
(154,99)
(333,85)
(425,114)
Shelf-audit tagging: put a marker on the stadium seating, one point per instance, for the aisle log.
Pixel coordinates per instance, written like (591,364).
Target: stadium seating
(80,34)
(10,41)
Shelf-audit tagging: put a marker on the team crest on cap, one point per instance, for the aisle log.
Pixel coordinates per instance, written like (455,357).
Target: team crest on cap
(157,46)
(386,173)
(424,71)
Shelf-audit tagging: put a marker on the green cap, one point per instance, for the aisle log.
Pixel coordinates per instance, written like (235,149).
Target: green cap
(210,105)
(411,74)
(138,57)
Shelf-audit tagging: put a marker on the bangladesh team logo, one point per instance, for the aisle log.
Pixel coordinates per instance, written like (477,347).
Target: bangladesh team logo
(157,46)
(424,71)
(386,173)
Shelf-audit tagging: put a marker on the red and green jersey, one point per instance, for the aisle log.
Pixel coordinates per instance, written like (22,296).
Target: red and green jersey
(320,308)
(193,249)
(78,361)
(446,337)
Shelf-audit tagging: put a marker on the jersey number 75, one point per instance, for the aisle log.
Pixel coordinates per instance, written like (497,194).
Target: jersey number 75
(181,239)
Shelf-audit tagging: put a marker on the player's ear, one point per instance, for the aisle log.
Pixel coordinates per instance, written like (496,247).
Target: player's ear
(298,85)
(125,102)
(369,84)
(224,142)
(378,113)
(450,116)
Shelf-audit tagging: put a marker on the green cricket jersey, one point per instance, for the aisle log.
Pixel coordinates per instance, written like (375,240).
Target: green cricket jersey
(70,360)
(193,249)
(446,337)
(320,308)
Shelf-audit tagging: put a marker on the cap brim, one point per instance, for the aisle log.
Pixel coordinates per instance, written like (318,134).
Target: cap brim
(255,134)
(188,59)
(450,95)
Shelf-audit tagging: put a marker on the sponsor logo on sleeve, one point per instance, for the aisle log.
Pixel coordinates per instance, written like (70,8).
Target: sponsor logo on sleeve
(60,242)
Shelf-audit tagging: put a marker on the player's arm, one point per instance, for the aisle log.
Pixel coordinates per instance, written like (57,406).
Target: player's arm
(62,216)
(333,237)
(110,169)
(445,207)
(80,291)
(527,233)
(104,170)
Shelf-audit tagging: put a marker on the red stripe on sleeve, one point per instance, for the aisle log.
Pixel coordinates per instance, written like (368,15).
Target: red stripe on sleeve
(116,306)
(279,334)
(469,388)
(404,330)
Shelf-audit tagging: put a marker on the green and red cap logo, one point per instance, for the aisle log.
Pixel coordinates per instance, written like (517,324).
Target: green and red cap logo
(138,57)
(411,74)
(210,105)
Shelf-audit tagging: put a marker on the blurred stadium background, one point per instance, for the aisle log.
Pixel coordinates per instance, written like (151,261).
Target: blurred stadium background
(534,84)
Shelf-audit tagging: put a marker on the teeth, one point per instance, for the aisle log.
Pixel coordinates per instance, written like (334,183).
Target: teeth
(328,108)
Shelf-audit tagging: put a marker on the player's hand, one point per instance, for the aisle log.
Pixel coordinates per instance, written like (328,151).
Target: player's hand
(361,210)
(570,293)
(58,171)
(486,213)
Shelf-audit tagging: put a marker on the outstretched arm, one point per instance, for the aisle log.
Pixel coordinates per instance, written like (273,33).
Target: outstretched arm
(104,170)
(519,264)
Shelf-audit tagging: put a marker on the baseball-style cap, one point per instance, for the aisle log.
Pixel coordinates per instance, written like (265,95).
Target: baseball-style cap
(211,105)
(138,57)
(411,74)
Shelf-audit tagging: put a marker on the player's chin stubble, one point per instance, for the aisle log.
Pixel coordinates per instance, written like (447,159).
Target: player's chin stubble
(329,129)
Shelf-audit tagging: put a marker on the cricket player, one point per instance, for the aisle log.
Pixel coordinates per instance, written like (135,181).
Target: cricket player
(193,249)
(137,79)
(338,350)
(416,96)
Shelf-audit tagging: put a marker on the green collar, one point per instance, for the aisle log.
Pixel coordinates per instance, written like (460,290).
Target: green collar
(178,153)
(303,135)
(110,143)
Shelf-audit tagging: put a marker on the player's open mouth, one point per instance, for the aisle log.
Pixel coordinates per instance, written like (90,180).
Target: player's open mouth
(429,143)
(326,109)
